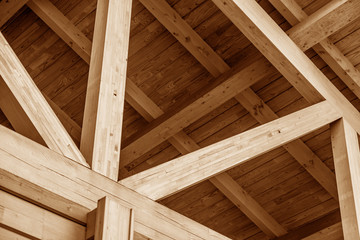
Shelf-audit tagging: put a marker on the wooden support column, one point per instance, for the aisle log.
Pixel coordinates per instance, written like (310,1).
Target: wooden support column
(104,106)
(34,104)
(110,219)
(346,154)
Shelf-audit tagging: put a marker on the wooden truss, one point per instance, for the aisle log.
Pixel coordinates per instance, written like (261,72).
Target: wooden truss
(78,188)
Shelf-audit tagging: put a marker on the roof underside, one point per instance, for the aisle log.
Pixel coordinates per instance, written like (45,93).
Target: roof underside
(170,76)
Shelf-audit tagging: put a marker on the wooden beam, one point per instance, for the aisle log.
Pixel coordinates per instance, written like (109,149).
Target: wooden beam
(334,232)
(32,221)
(66,187)
(340,64)
(282,52)
(184,144)
(231,84)
(167,16)
(16,115)
(34,104)
(248,205)
(9,8)
(104,105)
(346,154)
(113,219)
(63,27)
(248,98)
(219,157)
(313,227)
(297,148)
(324,22)
(7,234)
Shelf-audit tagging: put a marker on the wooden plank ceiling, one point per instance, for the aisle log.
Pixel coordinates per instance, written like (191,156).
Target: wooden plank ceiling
(194,79)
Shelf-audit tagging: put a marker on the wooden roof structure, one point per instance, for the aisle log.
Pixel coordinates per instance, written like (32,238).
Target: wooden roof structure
(180,119)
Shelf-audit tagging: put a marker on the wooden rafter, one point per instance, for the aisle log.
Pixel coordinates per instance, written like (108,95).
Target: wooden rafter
(35,105)
(104,105)
(64,186)
(135,147)
(180,29)
(345,145)
(282,52)
(340,64)
(332,232)
(219,157)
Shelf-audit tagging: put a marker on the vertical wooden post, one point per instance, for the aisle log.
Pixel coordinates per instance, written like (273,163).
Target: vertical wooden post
(346,153)
(113,220)
(101,133)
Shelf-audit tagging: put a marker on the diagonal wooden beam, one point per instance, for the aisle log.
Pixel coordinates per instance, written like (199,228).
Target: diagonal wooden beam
(247,98)
(219,157)
(340,64)
(62,26)
(34,104)
(104,105)
(16,115)
(298,149)
(230,188)
(72,190)
(345,145)
(324,22)
(9,8)
(282,52)
(174,23)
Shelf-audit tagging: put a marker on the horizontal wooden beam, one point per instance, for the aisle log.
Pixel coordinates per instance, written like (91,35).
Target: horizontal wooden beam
(73,190)
(35,222)
(183,172)
(286,56)
(9,8)
(34,104)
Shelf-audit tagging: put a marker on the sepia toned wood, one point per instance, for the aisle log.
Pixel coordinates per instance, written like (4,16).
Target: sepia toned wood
(333,232)
(35,105)
(223,155)
(7,234)
(331,16)
(9,8)
(234,82)
(113,220)
(184,144)
(345,146)
(103,114)
(340,64)
(286,56)
(165,14)
(32,221)
(81,188)
(298,149)
(63,27)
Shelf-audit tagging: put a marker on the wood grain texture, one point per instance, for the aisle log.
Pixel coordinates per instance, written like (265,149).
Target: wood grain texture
(113,220)
(9,8)
(279,49)
(35,105)
(345,146)
(188,170)
(104,106)
(81,188)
